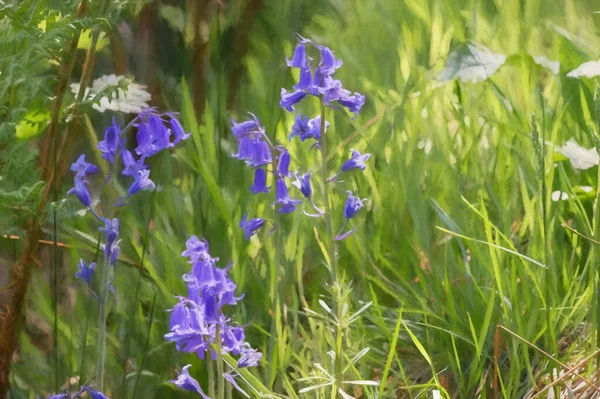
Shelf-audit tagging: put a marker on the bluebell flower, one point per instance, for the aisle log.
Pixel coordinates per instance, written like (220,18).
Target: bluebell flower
(82,168)
(298,58)
(141,182)
(145,142)
(246,128)
(108,146)
(110,229)
(288,100)
(260,182)
(194,319)
(354,102)
(186,382)
(96,394)
(196,250)
(86,272)
(81,191)
(250,357)
(283,163)
(251,226)
(287,204)
(329,64)
(131,166)
(320,82)
(353,205)
(356,161)
(306,129)
(254,151)
(231,379)
(60,396)
(178,131)
(303,183)
(160,133)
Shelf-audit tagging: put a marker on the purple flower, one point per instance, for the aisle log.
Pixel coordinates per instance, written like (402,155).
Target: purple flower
(81,191)
(160,134)
(146,147)
(329,63)
(231,379)
(196,250)
(255,151)
(299,127)
(178,131)
(250,357)
(109,145)
(307,128)
(131,166)
(86,272)
(353,205)
(233,338)
(96,394)
(332,90)
(110,229)
(299,58)
(288,100)
(356,161)
(60,396)
(303,183)
(283,163)
(354,103)
(287,204)
(141,182)
(251,226)
(187,383)
(246,128)
(82,168)
(260,182)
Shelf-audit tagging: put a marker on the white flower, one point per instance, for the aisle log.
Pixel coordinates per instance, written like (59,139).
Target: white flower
(580,157)
(588,69)
(553,66)
(473,63)
(559,196)
(133,101)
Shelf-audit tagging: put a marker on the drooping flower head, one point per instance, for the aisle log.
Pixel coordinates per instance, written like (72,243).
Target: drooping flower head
(320,82)
(303,183)
(108,146)
(353,205)
(282,197)
(85,272)
(186,382)
(356,161)
(251,226)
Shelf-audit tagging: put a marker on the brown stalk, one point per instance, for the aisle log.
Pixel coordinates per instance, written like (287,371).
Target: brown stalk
(566,374)
(497,342)
(20,272)
(200,55)
(549,356)
(241,47)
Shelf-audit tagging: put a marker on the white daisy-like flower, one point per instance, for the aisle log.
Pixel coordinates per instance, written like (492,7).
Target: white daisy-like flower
(587,69)
(552,66)
(132,101)
(580,157)
(473,63)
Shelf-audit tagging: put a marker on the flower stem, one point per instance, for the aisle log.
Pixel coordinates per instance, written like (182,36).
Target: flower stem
(220,379)
(211,376)
(327,209)
(104,284)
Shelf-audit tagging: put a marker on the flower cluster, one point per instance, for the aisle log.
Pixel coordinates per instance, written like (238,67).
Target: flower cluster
(153,136)
(256,149)
(91,393)
(198,324)
(320,82)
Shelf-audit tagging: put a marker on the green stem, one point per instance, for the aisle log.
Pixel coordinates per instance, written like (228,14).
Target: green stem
(145,353)
(220,371)
(104,284)
(210,365)
(593,271)
(327,209)
(339,357)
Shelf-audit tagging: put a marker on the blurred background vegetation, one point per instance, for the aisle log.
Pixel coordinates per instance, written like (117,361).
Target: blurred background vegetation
(451,149)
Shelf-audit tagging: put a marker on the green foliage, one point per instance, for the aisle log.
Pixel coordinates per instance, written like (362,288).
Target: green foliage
(451,243)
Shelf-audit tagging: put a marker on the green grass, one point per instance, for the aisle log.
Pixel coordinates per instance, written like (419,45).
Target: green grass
(451,243)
